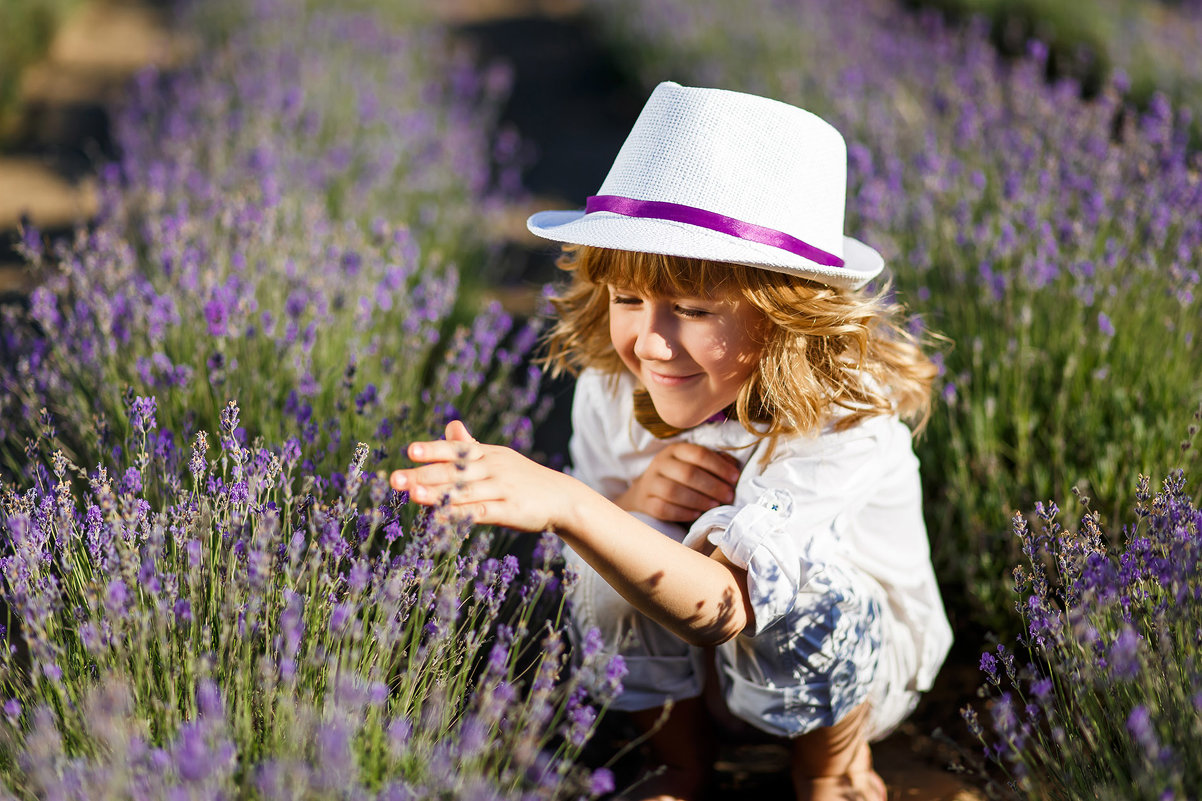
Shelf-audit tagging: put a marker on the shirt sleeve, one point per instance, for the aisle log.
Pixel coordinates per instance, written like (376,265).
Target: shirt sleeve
(808,506)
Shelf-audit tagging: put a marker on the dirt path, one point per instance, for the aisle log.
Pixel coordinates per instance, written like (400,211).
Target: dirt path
(46,175)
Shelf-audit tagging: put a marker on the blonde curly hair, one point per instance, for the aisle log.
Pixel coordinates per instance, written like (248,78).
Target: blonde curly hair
(828,352)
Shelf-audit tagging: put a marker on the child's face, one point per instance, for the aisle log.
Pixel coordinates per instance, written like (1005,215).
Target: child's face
(692,354)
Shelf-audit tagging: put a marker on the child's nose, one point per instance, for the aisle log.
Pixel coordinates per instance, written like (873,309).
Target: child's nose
(654,342)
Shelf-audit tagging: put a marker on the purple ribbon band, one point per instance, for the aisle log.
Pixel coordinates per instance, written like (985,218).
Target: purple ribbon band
(677,212)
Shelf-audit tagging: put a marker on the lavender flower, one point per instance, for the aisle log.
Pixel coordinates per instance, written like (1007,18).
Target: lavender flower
(142,414)
(1109,706)
(229,281)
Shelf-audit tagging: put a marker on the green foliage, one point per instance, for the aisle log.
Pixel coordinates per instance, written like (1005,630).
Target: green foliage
(29,26)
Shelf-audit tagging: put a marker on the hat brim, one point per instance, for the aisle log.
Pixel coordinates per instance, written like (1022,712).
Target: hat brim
(605,229)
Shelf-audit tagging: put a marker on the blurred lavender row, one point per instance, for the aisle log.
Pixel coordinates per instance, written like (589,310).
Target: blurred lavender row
(1104,700)
(1157,44)
(209,590)
(286,227)
(1055,241)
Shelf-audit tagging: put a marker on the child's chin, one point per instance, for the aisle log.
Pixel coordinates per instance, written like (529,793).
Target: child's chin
(684,421)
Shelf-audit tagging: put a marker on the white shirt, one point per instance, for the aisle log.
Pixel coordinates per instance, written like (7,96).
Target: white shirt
(850,496)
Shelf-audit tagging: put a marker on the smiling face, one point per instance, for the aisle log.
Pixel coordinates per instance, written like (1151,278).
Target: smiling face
(691,353)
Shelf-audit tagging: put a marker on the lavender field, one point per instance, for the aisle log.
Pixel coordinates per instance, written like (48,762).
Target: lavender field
(210,591)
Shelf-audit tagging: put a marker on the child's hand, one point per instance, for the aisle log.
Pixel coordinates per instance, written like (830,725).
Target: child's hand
(682,481)
(489,484)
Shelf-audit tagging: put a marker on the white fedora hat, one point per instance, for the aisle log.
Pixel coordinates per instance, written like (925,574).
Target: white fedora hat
(725,176)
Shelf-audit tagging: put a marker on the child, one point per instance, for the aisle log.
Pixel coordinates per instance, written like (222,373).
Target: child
(744,511)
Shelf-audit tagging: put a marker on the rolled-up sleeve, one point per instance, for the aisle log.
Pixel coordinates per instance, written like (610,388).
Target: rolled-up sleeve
(789,520)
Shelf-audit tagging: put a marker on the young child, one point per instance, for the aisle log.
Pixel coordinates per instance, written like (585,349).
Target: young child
(745,509)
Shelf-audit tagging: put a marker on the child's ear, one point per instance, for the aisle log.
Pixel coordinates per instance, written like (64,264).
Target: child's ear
(457,432)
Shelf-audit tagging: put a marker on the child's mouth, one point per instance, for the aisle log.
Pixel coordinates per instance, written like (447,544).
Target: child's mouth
(664,379)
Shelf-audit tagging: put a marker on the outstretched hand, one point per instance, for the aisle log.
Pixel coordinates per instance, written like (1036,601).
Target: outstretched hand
(703,599)
(489,484)
(683,481)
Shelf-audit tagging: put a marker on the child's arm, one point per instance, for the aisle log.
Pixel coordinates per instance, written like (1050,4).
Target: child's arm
(702,599)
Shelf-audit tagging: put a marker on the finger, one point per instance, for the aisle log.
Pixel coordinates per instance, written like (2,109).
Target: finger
(442,450)
(457,432)
(406,481)
(441,474)
(475,512)
(720,464)
(690,476)
(430,494)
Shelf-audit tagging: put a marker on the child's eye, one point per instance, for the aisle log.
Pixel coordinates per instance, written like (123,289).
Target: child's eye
(625,300)
(687,311)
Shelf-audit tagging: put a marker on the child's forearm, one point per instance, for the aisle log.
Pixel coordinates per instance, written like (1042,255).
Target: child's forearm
(701,599)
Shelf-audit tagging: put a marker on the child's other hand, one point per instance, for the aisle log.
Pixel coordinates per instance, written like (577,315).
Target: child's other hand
(489,484)
(682,481)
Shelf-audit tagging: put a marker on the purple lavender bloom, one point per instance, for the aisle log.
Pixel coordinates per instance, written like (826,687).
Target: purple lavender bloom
(116,598)
(142,414)
(217,315)
(131,482)
(239,492)
(208,699)
(229,418)
(400,730)
(191,755)
(615,671)
(1042,689)
(581,718)
(593,643)
(1139,723)
(340,614)
(601,782)
(1124,654)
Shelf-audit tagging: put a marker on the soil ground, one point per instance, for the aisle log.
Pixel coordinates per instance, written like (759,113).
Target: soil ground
(572,105)
(47,169)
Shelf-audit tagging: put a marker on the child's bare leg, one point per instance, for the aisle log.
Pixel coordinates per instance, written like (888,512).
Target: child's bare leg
(686,748)
(835,763)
